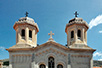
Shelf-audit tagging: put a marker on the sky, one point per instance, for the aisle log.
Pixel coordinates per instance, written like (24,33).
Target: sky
(51,15)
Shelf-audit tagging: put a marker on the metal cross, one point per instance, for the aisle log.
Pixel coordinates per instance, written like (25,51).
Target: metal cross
(76,14)
(50,34)
(26,14)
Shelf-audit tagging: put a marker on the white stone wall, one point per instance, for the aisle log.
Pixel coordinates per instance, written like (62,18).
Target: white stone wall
(32,59)
(20,59)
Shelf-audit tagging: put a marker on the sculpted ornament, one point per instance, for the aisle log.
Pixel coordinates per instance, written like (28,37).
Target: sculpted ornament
(50,50)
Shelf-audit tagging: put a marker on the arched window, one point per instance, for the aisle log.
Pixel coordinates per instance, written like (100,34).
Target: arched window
(72,34)
(30,34)
(42,66)
(51,62)
(79,34)
(23,34)
(59,66)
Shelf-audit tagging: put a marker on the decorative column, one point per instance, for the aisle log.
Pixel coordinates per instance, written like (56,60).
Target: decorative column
(68,38)
(16,36)
(33,61)
(86,37)
(35,40)
(33,36)
(91,62)
(19,34)
(26,34)
(69,62)
(75,35)
(82,35)
(10,60)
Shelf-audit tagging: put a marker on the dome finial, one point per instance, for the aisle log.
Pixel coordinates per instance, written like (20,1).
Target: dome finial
(76,13)
(26,14)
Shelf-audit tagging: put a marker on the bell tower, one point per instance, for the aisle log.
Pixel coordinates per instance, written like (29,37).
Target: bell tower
(76,31)
(26,31)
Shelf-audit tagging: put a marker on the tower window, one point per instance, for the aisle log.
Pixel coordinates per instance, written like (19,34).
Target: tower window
(30,34)
(23,34)
(79,34)
(72,34)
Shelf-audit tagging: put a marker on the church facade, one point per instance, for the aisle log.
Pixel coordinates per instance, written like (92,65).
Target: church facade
(26,53)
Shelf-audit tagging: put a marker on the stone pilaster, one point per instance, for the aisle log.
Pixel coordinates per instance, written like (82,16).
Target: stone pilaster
(16,36)
(82,35)
(68,38)
(69,62)
(68,66)
(33,36)
(10,66)
(75,35)
(19,34)
(35,40)
(32,65)
(91,62)
(27,34)
(86,37)
(10,60)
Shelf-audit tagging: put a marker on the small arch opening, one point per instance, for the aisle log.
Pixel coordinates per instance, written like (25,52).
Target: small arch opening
(42,66)
(30,34)
(23,34)
(59,66)
(79,34)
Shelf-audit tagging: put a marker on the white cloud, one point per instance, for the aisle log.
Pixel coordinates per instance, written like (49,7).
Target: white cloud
(100,31)
(98,55)
(96,21)
(2,48)
(99,59)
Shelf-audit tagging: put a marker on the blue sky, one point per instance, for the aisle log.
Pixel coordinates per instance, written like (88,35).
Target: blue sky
(51,15)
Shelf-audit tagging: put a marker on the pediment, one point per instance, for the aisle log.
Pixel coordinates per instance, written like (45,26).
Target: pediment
(51,45)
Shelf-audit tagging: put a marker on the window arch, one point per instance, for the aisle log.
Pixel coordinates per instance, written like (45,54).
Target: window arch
(72,34)
(30,34)
(59,66)
(42,66)
(23,34)
(51,62)
(79,34)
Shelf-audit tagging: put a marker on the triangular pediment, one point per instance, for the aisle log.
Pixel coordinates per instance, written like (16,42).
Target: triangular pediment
(51,44)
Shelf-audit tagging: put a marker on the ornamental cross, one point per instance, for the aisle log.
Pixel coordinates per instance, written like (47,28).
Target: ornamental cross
(50,34)
(26,14)
(76,13)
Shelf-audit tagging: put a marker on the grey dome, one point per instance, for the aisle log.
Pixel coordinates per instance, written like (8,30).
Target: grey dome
(26,18)
(77,21)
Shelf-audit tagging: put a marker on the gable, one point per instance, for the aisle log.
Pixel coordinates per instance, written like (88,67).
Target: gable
(51,45)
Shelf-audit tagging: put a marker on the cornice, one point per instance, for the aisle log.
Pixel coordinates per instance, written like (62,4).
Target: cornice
(50,44)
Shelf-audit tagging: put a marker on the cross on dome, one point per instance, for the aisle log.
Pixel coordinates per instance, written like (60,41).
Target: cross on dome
(26,14)
(50,34)
(76,14)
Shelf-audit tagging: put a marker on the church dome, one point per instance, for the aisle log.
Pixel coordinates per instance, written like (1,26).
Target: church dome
(26,20)
(77,21)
